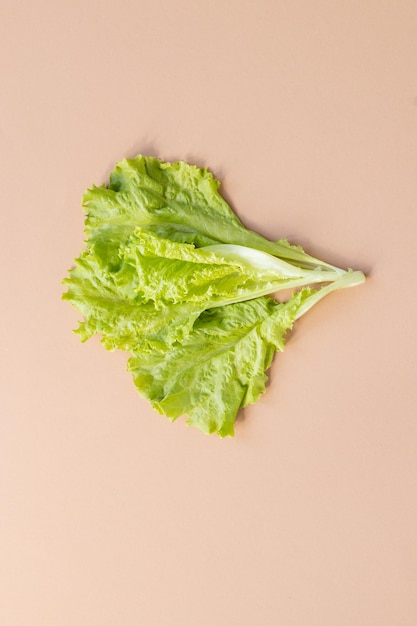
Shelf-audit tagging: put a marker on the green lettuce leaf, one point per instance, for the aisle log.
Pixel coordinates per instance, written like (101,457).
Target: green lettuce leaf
(170,272)
(177,201)
(152,290)
(221,366)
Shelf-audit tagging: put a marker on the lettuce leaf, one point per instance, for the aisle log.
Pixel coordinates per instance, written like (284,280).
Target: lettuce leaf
(165,271)
(151,290)
(221,366)
(177,201)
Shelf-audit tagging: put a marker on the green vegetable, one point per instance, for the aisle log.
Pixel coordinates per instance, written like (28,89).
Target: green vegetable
(177,201)
(220,367)
(171,275)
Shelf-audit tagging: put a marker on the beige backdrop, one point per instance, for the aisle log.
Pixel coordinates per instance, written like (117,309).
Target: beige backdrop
(109,514)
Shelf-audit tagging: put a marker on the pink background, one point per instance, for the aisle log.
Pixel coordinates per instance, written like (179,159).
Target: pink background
(109,514)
